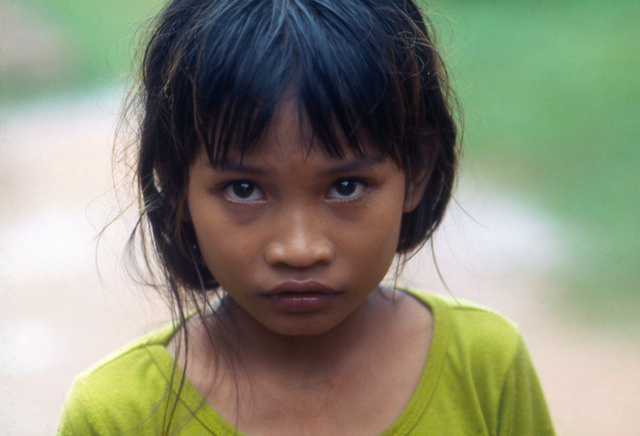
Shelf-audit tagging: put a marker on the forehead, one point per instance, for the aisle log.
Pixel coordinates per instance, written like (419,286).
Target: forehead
(289,134)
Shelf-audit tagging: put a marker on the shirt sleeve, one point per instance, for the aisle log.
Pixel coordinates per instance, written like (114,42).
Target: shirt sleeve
(79,417)
(522,408)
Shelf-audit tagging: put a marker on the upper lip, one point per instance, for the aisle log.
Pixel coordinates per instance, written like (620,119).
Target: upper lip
(306,286)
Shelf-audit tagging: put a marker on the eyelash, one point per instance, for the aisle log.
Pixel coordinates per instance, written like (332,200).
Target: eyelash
(228,191)
(360,184)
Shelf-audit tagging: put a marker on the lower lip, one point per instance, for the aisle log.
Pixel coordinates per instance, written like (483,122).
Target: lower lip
(301,302)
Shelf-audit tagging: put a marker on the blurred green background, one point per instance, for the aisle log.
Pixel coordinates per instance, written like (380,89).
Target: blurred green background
(551,97)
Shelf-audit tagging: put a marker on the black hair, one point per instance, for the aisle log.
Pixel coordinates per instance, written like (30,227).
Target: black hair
(214,72)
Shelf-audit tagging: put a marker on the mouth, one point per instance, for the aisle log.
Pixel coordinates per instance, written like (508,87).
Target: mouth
(301,297)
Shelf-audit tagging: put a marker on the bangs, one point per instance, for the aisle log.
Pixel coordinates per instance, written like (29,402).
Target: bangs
(234,62)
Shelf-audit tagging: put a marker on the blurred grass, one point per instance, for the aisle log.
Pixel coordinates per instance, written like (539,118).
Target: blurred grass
(551,96)
(97,38)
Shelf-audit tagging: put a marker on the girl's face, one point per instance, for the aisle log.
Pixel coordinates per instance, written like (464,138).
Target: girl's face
(297,239)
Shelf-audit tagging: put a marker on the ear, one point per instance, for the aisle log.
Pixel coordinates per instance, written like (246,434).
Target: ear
(415,190)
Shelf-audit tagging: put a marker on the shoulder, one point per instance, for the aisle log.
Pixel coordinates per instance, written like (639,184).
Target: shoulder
(472,348)
(470,326)
(114,394)
(129,364)
(480,364)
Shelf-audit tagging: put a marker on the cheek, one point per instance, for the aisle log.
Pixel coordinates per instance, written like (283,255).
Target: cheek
(217,251)
(225,252)
(373,241)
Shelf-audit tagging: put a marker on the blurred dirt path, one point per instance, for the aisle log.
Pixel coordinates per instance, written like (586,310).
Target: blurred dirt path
(57,316)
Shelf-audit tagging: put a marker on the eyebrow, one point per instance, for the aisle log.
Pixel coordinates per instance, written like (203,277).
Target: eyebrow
(234,167)
(356,164)
(360,163)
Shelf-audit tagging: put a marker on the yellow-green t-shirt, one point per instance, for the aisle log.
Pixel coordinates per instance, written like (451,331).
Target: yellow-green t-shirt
(478,380)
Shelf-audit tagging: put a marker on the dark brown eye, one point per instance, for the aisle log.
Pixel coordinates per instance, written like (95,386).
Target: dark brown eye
(243,191)
(346,189)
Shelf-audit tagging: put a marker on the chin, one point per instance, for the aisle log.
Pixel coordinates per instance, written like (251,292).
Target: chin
(300,330)
(302,327)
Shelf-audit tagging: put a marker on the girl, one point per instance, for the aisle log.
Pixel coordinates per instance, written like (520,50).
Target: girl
(288,151)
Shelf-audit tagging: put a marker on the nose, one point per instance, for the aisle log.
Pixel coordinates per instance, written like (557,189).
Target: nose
(299,242)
